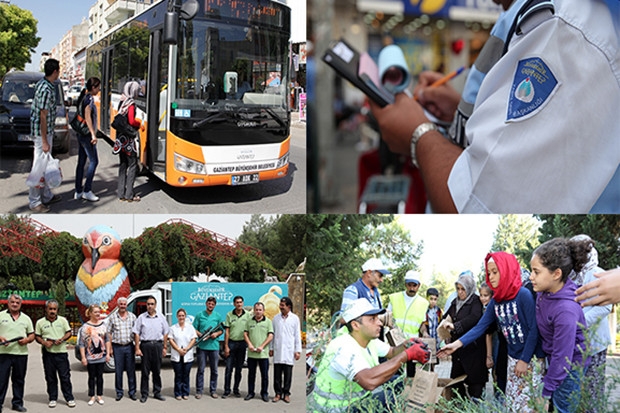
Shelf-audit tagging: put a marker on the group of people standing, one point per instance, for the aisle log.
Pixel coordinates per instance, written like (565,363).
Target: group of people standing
(42,115)
(124,336)
(541,324)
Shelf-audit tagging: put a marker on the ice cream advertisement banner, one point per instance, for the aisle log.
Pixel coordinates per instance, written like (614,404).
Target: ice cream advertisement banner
(193,297)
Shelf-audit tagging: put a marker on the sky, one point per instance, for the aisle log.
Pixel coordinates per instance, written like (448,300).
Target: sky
(452,243)
(132,225)
(55,21)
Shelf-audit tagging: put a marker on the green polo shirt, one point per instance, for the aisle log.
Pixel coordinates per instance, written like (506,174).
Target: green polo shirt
(202,323)
(258,332)
(11,329)
(54,330)
(236,324)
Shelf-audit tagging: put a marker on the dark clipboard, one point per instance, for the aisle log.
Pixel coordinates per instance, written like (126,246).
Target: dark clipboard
(345,60)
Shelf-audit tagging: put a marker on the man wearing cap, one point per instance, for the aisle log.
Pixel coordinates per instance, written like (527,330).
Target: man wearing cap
(366,287)
(409,310)
(350,371)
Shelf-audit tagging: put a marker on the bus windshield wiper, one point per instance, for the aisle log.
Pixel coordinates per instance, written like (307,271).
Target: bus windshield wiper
(275,117)
(216,117)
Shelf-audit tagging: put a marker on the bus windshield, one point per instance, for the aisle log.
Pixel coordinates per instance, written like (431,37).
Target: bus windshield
(220,65)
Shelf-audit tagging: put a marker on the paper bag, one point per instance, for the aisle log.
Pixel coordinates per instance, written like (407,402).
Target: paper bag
(432,346)
(395,337)
(423,391)
(442,332)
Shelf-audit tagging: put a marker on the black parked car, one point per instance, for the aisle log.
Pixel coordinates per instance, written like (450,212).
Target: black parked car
(16,94)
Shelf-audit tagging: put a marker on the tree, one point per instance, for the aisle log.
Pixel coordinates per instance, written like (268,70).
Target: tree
(393,241)
(603,229)
(518,235)
(18,37)
(336,247)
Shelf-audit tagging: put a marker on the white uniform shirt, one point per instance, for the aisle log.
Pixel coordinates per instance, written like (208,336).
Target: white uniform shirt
(182,337)
(561,153)
(350,358)
(286,338)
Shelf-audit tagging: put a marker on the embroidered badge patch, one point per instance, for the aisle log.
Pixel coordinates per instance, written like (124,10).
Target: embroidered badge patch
(532,86)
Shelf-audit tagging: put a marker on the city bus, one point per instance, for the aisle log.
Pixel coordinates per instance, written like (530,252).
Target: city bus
(214,105)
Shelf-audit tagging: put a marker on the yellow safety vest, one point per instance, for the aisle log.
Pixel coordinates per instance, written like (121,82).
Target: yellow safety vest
(408,319)
(336,394)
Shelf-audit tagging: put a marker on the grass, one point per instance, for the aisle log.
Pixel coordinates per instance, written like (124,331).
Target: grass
(399,403)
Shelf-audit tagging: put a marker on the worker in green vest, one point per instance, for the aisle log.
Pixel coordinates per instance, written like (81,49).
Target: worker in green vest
(409,310)
(350,375)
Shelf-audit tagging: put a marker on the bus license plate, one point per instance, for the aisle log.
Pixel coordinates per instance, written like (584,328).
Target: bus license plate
(244,179)
(25,138)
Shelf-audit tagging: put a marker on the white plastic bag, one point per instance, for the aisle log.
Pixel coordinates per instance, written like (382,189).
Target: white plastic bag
(36,178)
(53,174)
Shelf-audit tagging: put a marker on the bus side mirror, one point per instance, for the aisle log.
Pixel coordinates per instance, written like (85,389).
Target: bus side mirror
(189,9)
(171,28)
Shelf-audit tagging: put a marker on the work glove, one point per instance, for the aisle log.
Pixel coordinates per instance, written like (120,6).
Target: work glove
(417,350)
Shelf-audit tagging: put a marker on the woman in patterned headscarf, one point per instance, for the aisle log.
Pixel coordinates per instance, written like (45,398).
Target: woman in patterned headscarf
(465,312)
(126,145)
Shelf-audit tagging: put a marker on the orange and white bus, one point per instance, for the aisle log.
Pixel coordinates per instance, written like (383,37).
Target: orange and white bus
(214,99)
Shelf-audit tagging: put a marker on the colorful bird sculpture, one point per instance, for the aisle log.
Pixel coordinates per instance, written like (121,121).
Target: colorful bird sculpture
(271,301)
(102,277)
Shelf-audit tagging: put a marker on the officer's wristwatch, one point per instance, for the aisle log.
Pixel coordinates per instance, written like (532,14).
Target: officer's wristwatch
(417,134)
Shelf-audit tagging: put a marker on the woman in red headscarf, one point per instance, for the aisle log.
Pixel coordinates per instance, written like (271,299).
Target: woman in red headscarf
(513,309)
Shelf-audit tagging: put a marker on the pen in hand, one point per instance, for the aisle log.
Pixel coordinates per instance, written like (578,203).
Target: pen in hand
(446,78)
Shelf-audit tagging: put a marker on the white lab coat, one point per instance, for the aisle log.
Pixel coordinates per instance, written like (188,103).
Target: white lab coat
(286,338)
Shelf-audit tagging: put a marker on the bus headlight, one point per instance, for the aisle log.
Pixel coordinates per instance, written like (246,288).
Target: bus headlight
(184,164)
(282,161)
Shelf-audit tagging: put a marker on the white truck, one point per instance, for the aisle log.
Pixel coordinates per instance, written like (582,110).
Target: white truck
(192,296)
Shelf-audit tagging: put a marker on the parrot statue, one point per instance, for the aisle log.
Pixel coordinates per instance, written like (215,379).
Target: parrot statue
(271,302)
(102,277)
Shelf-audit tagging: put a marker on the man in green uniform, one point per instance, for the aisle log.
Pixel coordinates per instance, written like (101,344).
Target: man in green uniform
(52,332)
(16,332)
(258,334)
(209,348)
(234,345)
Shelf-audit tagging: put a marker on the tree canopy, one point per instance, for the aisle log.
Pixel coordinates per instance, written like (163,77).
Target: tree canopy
(18,37)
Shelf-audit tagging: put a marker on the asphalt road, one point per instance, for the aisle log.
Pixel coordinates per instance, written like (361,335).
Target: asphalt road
(36,399)
(285,195)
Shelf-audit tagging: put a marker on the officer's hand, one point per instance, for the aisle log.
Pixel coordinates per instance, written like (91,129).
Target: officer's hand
(419,352)
(398,121)
(440,101)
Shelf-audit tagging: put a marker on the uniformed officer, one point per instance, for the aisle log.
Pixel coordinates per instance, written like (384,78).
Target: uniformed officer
(519,142)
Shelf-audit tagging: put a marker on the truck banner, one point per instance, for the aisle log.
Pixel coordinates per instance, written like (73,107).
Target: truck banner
(193,297)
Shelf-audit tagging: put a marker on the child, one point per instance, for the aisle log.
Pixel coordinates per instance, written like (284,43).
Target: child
(512,307)
(597,318)
(428,329)
(485,297)
(497,356)
(560,320)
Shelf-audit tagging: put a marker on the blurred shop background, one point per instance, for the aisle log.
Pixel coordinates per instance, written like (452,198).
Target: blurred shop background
(350,170)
